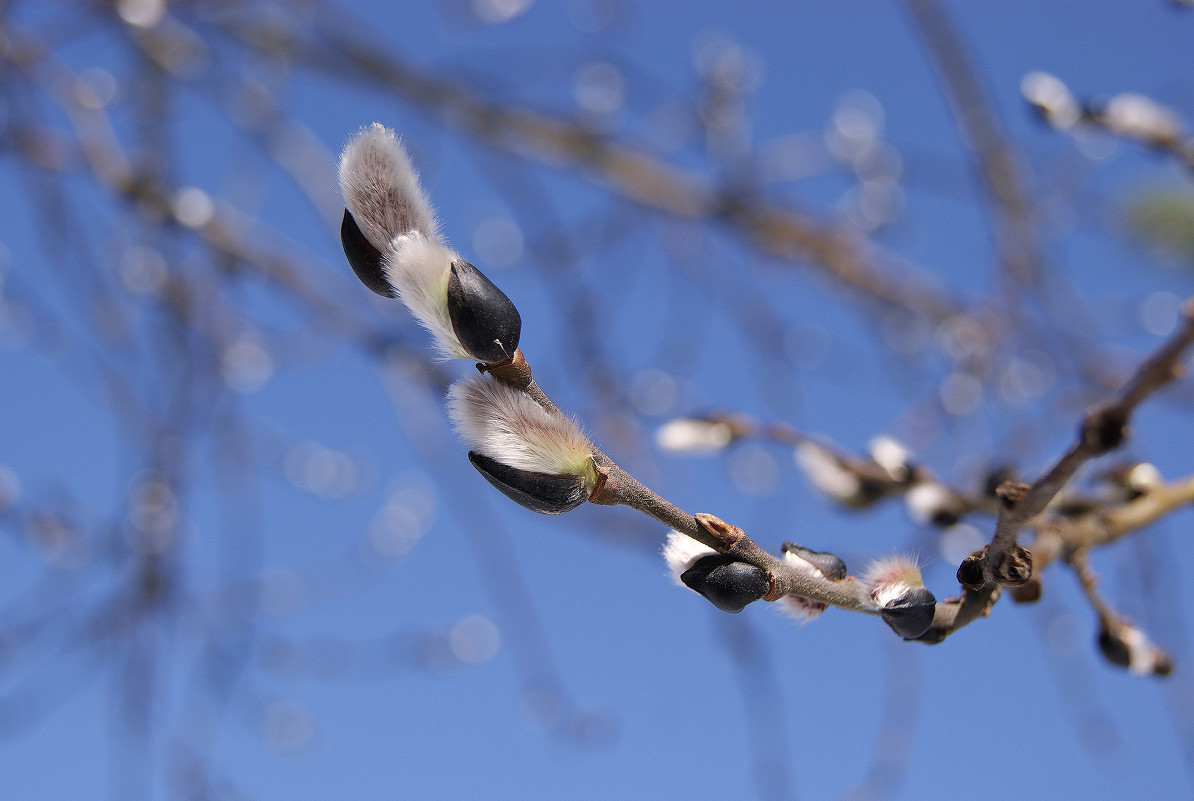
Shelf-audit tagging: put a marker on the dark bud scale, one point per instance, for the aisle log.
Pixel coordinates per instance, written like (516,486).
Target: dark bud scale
(830,565)
(1114,648)
(727,584)
(484,319)
(366,260)
(546,493)
(911,614)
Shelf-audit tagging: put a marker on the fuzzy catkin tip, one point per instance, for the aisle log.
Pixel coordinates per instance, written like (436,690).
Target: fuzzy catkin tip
(508,426)
(381,188)
(890,577)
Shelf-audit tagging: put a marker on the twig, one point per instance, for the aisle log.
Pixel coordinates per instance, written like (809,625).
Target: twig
(616,487)
(1015,237)
(1056,536)
(1089,582)
(1103,429)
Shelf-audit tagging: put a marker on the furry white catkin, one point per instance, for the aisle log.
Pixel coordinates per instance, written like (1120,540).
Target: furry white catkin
(382,193)
(381,188)
(507,425)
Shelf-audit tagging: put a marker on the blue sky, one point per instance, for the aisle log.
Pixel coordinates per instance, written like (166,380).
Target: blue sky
(408,632)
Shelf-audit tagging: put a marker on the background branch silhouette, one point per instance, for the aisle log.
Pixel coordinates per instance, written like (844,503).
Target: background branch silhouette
(868,262)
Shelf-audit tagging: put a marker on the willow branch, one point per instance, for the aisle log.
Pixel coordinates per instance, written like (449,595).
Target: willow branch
(616,487)
(1057,536)
(1103,429)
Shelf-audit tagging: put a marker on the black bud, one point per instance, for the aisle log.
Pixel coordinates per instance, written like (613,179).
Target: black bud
(911,614)
(945,517)
(484,319)
(1104,430)
(365,259)
(726,583)
(546,493)
(1114,648)
(830,565)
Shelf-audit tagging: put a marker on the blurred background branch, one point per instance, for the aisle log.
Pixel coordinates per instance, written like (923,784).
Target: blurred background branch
(244,555)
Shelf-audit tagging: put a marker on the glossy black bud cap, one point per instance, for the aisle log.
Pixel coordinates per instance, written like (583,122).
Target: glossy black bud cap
(366,260)
(727,584)
(911,614)
(484,319)
(546,493)
(830,565)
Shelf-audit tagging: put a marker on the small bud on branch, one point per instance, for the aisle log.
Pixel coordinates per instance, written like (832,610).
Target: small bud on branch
(725,582)
(814,563)
(485,321)
(834,477)
(694,435)
(898,591)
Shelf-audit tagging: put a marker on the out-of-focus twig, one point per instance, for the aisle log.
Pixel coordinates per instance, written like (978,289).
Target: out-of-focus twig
(635,174)
(1055,535)
(998,167)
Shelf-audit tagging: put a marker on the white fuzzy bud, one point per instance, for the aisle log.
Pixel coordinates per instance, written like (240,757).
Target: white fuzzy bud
(1139,117)
(1047,93)
(929,502)
(418,268)
(508,426)
(1141,653)
(892,456)
(826,472)
(889,578)
(798,607)
(1144,477)
(1144,657)
(388,208)
(690,435)
(681,552)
